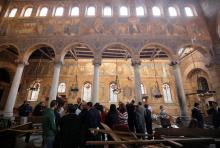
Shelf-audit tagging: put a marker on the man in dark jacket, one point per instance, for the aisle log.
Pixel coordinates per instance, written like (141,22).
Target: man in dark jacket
(24,110)
(148,121)
(131,115)
(94,120)
(84,124)
(93,116)
(49,125)
(70,129)
(39,109)
(196,114)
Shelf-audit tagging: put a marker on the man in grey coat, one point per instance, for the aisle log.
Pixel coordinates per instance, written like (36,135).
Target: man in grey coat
(140,120)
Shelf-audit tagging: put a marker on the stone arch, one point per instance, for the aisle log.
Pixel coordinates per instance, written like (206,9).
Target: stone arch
(201,48)
(59,4)
(25,8)
(39,8)
(11,68)
(66,49)
(170,53)
(119,44)
(34,47)
(218,24)
(199,66)
(5,45)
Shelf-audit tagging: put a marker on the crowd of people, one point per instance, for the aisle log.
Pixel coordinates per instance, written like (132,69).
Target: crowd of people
(69,125)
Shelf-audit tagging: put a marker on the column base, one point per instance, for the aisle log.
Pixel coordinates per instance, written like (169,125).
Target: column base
(8,114)
(184,121)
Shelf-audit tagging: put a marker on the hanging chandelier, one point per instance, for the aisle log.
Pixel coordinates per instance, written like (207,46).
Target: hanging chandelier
(156,92)
(35,85)
(117,89)
(75,89)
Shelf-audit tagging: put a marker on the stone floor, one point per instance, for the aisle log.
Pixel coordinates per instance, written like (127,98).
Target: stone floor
(35,142)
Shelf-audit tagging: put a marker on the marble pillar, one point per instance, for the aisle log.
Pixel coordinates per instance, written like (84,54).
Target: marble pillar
(55,81)
(137,80)
(8,110)
(180,91)
(95,87)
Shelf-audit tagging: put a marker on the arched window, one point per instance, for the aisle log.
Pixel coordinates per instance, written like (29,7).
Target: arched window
(189,11)
(202,84)
(156,11)
(75,11)
(172,11)
(27,12)
(91,11)
(62,88)
(43,11)
(87,92)
(140,11)
(59,11)
(107,11)
(123,11)
(112,96)
(33,92)
(167,93)
(142,89)
(13,12)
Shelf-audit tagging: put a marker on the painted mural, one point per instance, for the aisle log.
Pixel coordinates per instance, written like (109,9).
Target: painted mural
(89,26)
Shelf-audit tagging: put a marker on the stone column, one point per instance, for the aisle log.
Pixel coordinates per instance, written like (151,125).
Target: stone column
(137,80)
(8,110)
(95,87)
(180,91)
(55,81)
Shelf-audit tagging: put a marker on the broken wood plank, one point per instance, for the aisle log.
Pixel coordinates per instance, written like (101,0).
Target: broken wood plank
(147,142)
(188,132)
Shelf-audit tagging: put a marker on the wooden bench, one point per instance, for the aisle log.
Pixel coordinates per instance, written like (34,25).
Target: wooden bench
(8,136)
(190,133)
(185,137)
(126,139)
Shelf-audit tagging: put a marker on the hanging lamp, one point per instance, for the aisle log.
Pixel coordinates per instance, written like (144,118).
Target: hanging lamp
(117,88)
(35,85)
(157,93)
(75,89)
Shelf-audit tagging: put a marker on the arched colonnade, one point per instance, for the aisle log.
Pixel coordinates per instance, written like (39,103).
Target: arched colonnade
(59,56)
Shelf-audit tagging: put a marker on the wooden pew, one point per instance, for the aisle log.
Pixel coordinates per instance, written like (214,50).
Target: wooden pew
(8,136)
(188,132)
(127,139)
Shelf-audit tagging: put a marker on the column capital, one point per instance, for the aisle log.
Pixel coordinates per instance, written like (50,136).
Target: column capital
(58,62)
(21,62)
(135,62)
(173,63)
(97,62)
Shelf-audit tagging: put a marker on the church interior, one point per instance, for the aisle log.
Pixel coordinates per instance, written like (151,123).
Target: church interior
(158,52)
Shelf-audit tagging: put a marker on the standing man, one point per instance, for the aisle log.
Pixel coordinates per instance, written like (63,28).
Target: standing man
(140,119)
(49,125)
(196,114)
(131,115)
(24,110)
(70,129)
(148,121)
